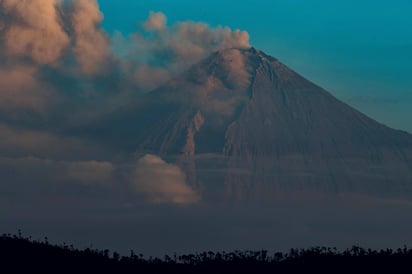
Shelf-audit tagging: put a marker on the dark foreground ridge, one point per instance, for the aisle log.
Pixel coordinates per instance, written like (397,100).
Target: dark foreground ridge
(24,255)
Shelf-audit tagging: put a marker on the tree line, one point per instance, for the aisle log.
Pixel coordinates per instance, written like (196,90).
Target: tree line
(20,254)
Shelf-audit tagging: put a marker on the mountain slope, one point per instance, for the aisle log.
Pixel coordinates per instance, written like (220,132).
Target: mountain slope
(242,119)
(292,132)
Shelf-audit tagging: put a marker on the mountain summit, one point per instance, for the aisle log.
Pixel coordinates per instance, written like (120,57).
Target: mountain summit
(243,120)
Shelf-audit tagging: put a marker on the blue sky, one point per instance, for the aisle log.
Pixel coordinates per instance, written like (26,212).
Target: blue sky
(359,50)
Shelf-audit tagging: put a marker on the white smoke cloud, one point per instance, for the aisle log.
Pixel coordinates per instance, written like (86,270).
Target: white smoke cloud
(67,38)
(155,22)
(59,64)
(34,30)
(235,69)
(161,182)
(21,90)
(91,44)
(167,50)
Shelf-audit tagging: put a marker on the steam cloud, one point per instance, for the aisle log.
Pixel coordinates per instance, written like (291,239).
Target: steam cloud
(65,38)
(159,182)
(162,182)
(163,51)
(59,67)
(91,43)
(34,30)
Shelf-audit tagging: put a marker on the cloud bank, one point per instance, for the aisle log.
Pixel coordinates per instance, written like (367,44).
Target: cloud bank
(18,143)
(162,182)
(91,44)
(42,173)
(60,67)
(162,51)
(151,177)
(42,40)
(34,30)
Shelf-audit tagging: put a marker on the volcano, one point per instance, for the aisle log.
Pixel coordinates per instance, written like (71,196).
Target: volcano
(242,121)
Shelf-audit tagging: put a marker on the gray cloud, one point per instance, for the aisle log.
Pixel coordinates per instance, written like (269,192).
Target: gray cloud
(46,171)
(161,182)
(52,39)
(34,30)
(163,51)
(60,68)
(91,43)
(155,22)
(20,89)
(90,172)
(23,142)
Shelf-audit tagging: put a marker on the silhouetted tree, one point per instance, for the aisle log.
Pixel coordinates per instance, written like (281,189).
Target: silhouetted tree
(24,255)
